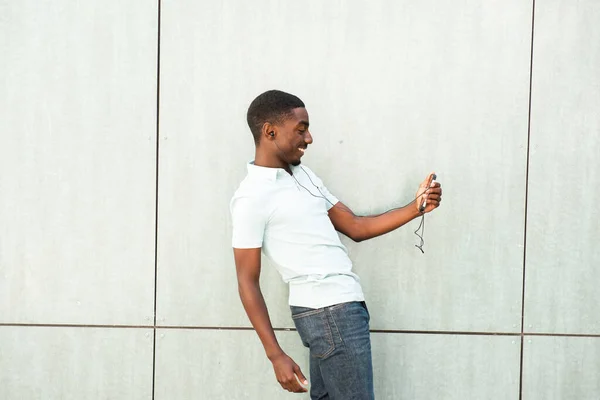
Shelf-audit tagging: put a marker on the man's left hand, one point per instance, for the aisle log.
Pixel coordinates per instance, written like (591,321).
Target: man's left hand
(429,192)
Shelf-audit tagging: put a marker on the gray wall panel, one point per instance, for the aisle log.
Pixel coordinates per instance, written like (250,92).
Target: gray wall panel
(561,368)
(417,87)
(563,230)
(75,363)
(424,367)
(215,364)
(77,155)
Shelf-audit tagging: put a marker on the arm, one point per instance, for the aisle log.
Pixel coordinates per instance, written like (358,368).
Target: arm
(247,262)
(362,228)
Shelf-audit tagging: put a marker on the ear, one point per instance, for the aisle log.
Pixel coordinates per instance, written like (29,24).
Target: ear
(268,131)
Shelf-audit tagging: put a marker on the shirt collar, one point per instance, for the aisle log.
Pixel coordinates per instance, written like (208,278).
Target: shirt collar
(270,174)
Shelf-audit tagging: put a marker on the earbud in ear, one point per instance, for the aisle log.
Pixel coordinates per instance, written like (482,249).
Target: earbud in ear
(272,134)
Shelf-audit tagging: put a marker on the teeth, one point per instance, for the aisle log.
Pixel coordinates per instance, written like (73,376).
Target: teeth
(301,149)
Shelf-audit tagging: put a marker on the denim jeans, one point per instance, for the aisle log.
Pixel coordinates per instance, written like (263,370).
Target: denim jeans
(340,350)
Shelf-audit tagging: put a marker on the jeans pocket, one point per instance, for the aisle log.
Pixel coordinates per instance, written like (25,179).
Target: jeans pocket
(315,331)
(299,312)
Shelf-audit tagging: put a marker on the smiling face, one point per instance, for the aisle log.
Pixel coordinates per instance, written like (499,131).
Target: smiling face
(291,136)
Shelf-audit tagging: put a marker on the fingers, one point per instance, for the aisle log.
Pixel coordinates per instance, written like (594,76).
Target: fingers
(300,375)
(291,384)
(434,190)
(433,196)
(288,380)
(434,203)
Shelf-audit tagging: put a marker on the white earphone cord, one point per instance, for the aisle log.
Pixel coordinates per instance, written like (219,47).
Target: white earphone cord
(421,225)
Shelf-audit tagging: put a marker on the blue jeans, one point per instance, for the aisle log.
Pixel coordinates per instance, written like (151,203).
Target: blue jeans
(340,350)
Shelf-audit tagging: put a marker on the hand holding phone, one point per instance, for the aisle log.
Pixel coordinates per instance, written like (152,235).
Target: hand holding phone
(422,208)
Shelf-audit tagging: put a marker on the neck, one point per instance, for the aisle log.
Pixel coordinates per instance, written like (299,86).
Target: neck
(270,160)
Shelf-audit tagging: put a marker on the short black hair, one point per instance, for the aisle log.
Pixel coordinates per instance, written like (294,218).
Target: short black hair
(271,106)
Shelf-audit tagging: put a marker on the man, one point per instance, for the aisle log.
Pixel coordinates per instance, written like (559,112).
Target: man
(283,209)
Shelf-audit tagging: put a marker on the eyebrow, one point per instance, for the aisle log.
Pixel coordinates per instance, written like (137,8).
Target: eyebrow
(303,123)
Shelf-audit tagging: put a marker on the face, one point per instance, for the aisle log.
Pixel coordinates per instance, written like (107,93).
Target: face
(293,137)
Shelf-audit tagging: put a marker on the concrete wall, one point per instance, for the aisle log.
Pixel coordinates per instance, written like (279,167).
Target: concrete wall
(116,274)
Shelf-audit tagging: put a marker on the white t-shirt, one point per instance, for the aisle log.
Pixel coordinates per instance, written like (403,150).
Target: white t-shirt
(287,216)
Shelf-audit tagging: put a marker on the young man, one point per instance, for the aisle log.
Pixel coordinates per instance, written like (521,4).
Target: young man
(283,209)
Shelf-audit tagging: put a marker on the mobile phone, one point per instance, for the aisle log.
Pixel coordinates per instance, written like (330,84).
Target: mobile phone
(422,208)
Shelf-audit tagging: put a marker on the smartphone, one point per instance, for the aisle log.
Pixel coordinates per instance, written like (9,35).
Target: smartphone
(422,208)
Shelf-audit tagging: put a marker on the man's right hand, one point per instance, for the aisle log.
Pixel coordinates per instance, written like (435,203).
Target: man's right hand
(286,371)
(247,263)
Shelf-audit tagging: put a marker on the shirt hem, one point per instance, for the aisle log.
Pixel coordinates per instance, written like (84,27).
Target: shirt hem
(329,302)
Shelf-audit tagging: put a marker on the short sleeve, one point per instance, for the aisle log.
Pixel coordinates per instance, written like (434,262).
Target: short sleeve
(330,198)
(249,221)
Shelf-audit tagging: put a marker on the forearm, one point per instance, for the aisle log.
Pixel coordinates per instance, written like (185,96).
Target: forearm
(369,227)
(255,307)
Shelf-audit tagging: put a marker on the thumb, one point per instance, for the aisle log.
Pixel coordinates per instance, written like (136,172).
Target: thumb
(429,179)
(300,375)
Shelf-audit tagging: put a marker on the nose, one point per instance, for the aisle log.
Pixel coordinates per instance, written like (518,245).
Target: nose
(308,138)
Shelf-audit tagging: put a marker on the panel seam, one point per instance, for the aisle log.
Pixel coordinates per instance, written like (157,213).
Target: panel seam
(528,154)
(156,195)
